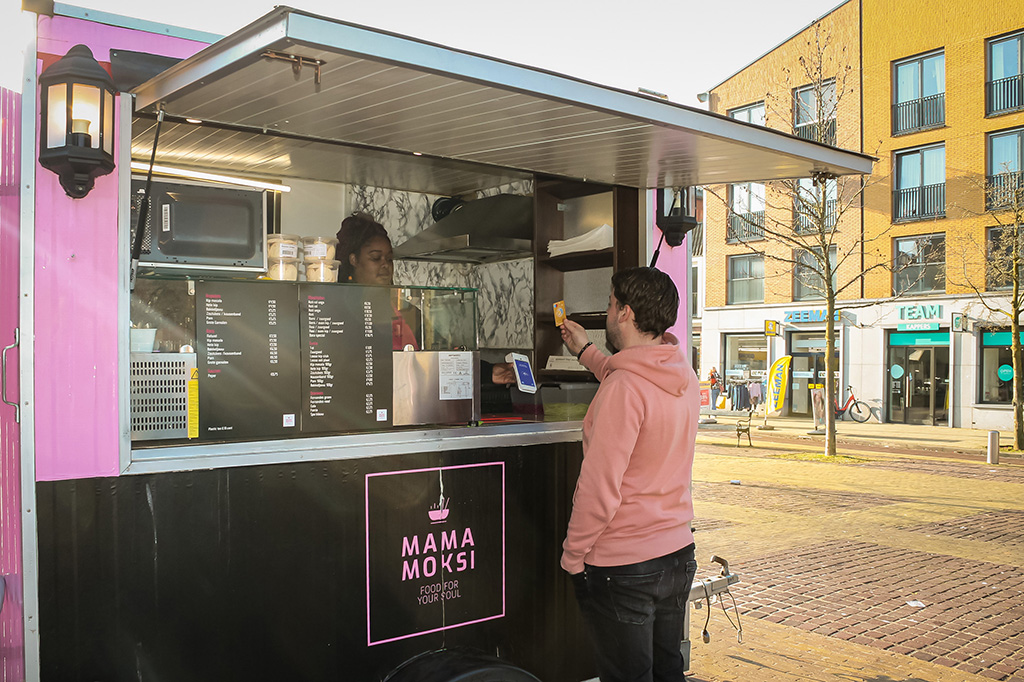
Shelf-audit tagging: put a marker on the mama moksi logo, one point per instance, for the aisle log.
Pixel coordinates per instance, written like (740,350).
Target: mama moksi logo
(435,549)
(451,551)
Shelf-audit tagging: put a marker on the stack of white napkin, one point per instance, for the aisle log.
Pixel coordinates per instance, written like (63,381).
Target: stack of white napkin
(594,240)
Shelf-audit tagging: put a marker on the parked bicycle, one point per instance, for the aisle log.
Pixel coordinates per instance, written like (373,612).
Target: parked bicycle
(858,409)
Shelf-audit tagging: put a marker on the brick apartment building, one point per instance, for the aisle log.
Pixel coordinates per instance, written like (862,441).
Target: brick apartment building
(934,90)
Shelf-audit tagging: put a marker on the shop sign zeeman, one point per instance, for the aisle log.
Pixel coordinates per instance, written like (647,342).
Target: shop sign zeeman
(819,315)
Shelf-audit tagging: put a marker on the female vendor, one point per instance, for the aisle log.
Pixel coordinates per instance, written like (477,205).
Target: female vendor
(364,250)
(366,256)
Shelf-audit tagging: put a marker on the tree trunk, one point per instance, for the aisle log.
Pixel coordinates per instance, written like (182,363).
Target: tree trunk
(830,369)
(1018,382)
(1015,311)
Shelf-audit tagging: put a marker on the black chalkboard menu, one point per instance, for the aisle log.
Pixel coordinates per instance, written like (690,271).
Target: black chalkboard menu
(247,336)
(346,342)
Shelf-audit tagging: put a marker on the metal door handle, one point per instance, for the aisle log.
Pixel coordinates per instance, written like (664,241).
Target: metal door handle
(3,380)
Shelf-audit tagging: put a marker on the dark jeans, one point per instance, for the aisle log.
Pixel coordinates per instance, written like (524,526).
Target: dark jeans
(634,615)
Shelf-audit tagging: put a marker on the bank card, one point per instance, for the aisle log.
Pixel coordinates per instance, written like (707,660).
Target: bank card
(559,307)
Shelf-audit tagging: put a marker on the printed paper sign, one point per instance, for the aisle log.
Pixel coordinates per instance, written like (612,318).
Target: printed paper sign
(455,380)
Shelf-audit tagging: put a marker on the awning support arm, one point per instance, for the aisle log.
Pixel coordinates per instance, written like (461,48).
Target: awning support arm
(140,226)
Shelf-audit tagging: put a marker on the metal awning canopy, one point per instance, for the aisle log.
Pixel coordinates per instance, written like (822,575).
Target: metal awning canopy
(299,95)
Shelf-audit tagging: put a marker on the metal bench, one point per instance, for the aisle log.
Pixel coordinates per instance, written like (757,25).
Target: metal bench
(743,427)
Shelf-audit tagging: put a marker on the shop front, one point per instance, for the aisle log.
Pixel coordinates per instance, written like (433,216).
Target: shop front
(807,348)
(996,369)
(808,369)
(745,369)
(917,371)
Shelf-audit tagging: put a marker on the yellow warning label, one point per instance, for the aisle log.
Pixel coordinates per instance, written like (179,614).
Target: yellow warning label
(193,404)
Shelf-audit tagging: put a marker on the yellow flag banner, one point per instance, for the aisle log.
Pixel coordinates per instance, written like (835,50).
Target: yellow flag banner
(777,384)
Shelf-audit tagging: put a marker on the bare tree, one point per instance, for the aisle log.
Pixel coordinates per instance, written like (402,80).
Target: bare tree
(1001,290)
(809,228)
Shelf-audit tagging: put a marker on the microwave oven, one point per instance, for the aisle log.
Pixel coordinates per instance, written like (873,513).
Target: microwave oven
(197,228)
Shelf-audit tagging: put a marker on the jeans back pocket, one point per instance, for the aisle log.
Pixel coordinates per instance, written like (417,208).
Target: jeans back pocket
(633,597)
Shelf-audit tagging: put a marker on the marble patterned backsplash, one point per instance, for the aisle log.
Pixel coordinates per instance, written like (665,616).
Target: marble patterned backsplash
(505,289)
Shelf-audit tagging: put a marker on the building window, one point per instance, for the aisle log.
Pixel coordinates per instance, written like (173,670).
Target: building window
(814,112)
(920,265)
(746,212)
(919,93)
(695,307)
(753,113)
(1004,90)
(1005,181)
(746,357)
(1002,241)
(996,372)
(807,281)
(814,206)
(746,279)
(920,184)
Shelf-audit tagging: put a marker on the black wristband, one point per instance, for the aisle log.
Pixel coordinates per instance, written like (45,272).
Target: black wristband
(587,345)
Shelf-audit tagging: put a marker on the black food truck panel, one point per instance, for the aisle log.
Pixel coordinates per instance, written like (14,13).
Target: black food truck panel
(346,357)
(248,340)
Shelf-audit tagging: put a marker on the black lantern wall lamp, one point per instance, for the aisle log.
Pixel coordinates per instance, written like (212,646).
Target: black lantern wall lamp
(675,215)
(76,139)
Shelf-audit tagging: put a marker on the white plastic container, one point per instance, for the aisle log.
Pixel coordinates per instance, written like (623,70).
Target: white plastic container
(318,270)
(142,340)
(283,246)
(323,248)
(285,269)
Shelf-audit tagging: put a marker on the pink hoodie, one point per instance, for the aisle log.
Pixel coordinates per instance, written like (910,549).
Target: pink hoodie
(632,500)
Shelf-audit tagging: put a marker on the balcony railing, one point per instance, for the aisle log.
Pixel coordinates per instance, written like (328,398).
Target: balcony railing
(745,227)
(1005,94)
(697,240)
(1005,190)
(918,203)
(807,217)
(817,132)
(918,114)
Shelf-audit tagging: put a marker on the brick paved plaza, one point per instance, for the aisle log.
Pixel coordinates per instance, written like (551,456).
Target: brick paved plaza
(886,567)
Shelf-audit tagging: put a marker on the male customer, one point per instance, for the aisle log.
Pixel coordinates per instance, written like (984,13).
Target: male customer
(629,547)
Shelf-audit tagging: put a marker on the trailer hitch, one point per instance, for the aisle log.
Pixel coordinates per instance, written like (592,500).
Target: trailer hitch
(703,592)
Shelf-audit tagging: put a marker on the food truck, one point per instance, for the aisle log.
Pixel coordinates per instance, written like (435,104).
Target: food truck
(216,462)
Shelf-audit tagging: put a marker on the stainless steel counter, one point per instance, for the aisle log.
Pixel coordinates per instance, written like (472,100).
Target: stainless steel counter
(330,448)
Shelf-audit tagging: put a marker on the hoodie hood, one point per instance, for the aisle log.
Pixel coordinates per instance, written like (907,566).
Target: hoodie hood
(665,366)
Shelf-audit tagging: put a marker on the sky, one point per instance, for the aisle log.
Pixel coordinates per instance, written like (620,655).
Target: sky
(675,47)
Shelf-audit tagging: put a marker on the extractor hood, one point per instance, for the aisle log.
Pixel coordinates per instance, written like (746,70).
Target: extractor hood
(485,230)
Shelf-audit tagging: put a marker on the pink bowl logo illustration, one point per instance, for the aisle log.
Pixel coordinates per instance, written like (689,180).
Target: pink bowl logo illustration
(439,512)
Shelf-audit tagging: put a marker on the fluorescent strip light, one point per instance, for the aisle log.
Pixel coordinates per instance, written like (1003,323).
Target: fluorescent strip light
(200,175)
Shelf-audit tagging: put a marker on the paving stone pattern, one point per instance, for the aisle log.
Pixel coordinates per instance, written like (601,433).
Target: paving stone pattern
(977,472)
(972,619)
(783,499)
(1005,527)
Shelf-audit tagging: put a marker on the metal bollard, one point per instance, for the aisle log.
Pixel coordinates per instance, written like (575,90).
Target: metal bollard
(993,447)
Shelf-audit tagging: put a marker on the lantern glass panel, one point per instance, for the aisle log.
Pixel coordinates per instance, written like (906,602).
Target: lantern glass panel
(56,115)
(672,205)
(85,106)
(108,122)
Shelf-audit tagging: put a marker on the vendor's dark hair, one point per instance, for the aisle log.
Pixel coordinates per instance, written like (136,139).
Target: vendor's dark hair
(356,230)
(651,294)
